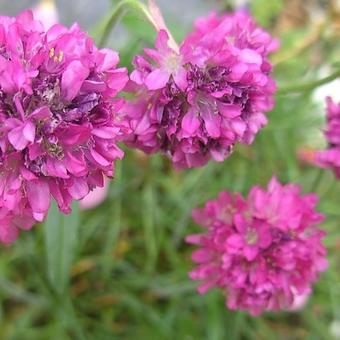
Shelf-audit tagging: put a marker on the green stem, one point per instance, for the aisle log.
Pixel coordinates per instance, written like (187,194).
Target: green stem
(317,180)
(122,6)
(298,88)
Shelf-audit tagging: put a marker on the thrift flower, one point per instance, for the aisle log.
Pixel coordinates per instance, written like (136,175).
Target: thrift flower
(59,121)
(299,302)
(262,251)
(196,104)
(95,197)
(330,158)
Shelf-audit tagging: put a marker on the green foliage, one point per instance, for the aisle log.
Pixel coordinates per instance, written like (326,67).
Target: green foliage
(265,11)
(61,240)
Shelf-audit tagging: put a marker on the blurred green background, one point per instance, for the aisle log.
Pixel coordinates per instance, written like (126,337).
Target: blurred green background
(119,270)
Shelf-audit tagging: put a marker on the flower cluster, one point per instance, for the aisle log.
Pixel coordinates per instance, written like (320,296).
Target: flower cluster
(330,158)
(195,103)
(263,251)
(59,123)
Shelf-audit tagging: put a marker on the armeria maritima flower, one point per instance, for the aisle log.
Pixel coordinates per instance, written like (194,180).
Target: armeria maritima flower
(263,251)
(58,121)
(195,103)
(330,158)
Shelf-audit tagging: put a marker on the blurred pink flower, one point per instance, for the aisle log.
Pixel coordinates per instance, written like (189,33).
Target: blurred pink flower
(307,155)
(95,197)
(196,104)
(299,302)
(262,251)
(59,119)
(46,12)
(330,158)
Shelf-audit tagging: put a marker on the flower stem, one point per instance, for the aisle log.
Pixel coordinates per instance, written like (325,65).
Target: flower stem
(298,88)
(317,180)
(121,7)
(150,12)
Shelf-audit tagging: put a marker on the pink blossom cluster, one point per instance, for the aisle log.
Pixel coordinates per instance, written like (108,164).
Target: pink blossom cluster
(330,158)
(263,250)
(196,102)
(59,121)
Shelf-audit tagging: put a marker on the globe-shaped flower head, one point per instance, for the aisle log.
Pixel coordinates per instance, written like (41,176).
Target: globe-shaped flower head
(330,158)
(58,122)
(263,251)
(196,102)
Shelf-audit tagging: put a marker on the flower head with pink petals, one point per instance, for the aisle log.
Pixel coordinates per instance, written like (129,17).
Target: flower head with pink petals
(263,251)
(196,104)
(330,158)
(59,121)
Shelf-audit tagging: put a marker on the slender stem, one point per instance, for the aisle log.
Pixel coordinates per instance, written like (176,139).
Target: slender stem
(302,45)
(317,180)
(298,88)
(151,12)
(121,7)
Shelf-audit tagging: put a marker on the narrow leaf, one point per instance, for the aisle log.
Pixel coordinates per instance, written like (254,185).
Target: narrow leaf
(61,233)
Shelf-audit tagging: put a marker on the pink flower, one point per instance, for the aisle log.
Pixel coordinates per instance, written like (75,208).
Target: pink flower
(95,197)
(196,104)
(307,155)
(59,121)
(262,251)
(330,158)
(299,302)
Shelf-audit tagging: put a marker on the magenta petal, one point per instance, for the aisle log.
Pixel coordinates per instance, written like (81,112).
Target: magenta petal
(91,86)
(235,241)
(56,168)
(79,188)
(17,139)
(205,287)
(75,163)
(105,132)
(201,256)
(250,252)
(26,174)
(180,78)
(218,155)
(39,216)
(99,158)
(229,110)
(190,122)
(29,131)
(41,113)
(157,79)
(162,39)
(239,126)
(250,56)
(142,125)
(34,151)
(194,239)
(61,195)
(8,232)
(76,134)
(38,194)
(117,79)
(212,122)
(137,77)
(110,60)
(73,78)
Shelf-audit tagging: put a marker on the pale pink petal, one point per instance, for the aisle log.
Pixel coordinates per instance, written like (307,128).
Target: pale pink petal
(95,197)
